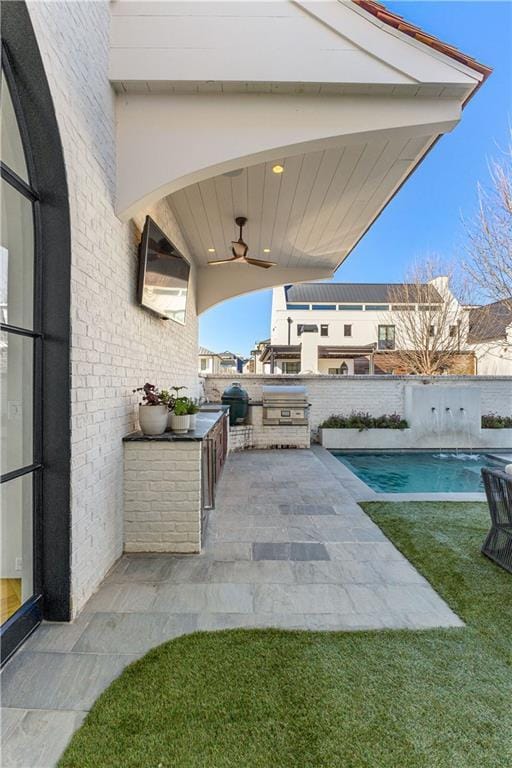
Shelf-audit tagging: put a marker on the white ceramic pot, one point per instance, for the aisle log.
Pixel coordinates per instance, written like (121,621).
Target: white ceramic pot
(180,424)
(193,421)
(153,419)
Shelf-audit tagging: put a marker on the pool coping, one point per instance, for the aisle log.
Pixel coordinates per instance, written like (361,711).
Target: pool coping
(362,492)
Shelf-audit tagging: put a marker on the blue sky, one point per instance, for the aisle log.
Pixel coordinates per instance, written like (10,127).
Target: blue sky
(425,217)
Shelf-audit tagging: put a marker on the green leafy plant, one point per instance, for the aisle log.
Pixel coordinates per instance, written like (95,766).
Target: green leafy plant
(362,421)
(181,405)
(494,421)
(193,406)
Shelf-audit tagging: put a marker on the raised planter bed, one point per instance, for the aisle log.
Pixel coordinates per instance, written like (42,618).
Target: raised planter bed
(382,439)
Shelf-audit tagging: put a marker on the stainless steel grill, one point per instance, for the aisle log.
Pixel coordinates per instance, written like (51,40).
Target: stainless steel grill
(285,405)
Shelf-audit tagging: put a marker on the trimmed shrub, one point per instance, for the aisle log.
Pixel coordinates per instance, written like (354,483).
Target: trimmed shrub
(361,421)
(494,421)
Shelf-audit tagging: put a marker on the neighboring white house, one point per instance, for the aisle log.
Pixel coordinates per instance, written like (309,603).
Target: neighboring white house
(490,337)
(220,362)
(347,328)
(209,362)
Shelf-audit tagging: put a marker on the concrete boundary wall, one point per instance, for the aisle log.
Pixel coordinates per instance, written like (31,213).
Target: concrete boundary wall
(375,394)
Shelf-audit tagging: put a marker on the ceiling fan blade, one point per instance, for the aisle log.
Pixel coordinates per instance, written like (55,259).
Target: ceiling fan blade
(215,262)
(260,263)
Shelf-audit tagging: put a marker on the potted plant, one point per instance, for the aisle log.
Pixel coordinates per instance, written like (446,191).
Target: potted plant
(193,409)
(180,419)
(171,402)
(152,410)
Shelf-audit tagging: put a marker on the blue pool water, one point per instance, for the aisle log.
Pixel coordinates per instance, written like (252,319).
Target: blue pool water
(418,472)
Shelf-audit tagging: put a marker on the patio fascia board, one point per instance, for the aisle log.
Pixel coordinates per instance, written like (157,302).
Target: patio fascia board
(167,142)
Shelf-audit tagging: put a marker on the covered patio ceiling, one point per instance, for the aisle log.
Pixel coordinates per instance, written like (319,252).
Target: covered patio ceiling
(213,95)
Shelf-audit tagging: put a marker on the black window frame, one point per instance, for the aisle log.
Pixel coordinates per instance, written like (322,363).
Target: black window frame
(386,343)
(324,330)
(47,188)
(347,330)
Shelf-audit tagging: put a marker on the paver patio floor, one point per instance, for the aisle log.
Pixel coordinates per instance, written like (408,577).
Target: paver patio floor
(287,546)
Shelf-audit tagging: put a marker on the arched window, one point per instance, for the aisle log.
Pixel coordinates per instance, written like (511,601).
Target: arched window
(34,343)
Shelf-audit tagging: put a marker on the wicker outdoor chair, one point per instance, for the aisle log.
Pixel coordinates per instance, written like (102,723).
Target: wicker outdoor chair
(498,544)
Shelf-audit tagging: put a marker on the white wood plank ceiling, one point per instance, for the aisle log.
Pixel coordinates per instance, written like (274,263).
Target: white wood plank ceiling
(311,214)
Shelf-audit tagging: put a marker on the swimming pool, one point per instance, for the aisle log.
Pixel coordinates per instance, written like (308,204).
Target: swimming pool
(419,472)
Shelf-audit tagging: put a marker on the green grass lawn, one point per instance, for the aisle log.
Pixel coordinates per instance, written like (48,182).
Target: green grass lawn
(384,699)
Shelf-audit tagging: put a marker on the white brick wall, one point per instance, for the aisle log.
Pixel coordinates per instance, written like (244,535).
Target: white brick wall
(115,345)
(162,490)
(375,394)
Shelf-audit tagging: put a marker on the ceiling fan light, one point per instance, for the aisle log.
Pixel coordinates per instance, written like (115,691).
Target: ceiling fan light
(211,250)
(266,250)
(277,168)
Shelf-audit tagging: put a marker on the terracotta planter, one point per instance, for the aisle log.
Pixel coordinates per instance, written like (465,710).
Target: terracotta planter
(180,424)
(153,419)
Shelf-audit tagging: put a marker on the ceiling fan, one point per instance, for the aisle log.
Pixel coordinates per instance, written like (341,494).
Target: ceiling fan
(239,250)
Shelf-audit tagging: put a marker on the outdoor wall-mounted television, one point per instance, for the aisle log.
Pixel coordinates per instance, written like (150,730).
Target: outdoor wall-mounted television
(163,274)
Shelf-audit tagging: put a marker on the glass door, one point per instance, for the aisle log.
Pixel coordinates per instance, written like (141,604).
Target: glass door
(20,384)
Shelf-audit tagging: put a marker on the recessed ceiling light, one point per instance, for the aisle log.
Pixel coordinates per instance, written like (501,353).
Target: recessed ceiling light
(278,168)
(211,250)
(266,250)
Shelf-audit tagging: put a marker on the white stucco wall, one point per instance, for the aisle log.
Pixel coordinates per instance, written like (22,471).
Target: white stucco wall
(115,345)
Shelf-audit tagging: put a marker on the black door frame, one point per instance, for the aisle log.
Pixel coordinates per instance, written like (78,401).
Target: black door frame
(30,93)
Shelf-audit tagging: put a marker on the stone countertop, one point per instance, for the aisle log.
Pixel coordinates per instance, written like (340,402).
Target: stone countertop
(206,420)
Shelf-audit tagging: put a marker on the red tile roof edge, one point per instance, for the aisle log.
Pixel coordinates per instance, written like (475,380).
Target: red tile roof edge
(398,22)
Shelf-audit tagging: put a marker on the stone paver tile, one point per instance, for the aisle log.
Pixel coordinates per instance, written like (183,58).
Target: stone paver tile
(56,635)
(123,598)
(306,509)
(133,633)
(270,551)
(393,572)
(335,572)
(411,597)
(366,600)
(36,737)
(253,572)
(301,598)
(214,621)
(42,680)
(344,622)
(136,567)
(212,598)
(430,619)
(229,551)
(308,551)
(262,534)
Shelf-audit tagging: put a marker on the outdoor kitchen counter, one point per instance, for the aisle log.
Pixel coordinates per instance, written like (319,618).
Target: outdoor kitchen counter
(206,420)
(169,485)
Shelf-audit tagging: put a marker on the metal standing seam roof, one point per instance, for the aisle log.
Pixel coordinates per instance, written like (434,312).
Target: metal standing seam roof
(402,25)
(361,293)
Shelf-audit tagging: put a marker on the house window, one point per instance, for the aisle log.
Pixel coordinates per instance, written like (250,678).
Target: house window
(302,328)
(432,330)
(297,306)
(323,306)
(377,307)
(324,330)
(386,336)
(350,307)
(333,371)
(204,363)
(291,367)
(344,369)
(453,331)
(347,330)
